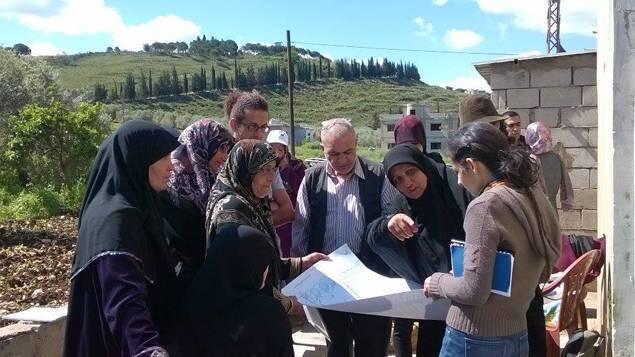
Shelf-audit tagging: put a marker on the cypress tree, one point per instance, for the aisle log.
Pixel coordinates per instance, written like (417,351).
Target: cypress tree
(150,84)
(213,78)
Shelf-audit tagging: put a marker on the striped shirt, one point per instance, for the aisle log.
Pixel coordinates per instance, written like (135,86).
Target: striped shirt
(345,221)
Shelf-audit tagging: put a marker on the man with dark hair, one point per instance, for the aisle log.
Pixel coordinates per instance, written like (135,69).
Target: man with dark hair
(512,127)
(336,201)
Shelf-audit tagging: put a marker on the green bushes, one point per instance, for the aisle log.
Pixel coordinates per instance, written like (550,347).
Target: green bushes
(46,159)
(40,202)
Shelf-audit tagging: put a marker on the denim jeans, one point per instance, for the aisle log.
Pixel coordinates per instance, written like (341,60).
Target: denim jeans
(459,344)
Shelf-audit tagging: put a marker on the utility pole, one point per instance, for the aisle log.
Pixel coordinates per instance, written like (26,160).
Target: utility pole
(553,27)
(291,79)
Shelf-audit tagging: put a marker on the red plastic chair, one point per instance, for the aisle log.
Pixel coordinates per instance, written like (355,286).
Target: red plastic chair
(572,309)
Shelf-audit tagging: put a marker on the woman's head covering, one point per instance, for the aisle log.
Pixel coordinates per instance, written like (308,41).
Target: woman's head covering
(192,177)
(226,306)
(410,130)
(234,266)
(438,195)
(118,214)
(538,137)
(232,198)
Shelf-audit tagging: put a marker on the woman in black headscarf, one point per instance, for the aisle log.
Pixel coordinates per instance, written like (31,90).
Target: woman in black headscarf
(229,313)
(240,196)
(414,242)
(121,298)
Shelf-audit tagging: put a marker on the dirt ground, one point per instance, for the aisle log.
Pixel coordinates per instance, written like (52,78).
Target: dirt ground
(35,260)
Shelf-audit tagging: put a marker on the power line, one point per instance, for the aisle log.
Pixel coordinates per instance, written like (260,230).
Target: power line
(405,49)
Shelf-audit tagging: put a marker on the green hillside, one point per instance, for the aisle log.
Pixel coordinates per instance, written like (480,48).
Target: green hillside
(84,70)
(361,100)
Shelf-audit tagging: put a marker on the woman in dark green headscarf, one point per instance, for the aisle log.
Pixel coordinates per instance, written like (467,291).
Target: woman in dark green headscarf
(240,196)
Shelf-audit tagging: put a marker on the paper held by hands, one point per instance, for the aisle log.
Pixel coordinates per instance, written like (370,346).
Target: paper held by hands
(343,283)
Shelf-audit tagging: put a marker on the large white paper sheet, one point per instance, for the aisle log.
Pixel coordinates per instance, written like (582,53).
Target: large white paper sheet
(343,283)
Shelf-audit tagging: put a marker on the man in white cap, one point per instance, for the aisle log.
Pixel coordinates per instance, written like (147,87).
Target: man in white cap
(292,172)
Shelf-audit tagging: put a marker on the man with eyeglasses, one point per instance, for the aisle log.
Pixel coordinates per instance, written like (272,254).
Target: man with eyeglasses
(248,114)
(335,202)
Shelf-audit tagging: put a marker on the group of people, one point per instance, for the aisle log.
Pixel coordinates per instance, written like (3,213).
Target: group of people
(185,240)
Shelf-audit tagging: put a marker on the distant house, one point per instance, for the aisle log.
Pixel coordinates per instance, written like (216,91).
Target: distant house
(437,125)
(303,132)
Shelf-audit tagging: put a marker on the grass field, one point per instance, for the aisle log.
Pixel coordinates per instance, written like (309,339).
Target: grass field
(83,71)
(361,100)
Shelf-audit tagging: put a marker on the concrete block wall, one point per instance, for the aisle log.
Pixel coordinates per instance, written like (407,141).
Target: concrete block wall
(560,91)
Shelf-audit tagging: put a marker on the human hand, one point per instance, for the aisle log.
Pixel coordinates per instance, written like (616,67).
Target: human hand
(426,287)
(274,206)
(309,260)
(401,226)
(296,307)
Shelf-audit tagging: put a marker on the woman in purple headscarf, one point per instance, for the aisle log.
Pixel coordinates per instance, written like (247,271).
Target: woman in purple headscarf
(203,150)
(554,171)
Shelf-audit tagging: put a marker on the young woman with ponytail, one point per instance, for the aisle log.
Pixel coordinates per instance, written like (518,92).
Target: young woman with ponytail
(508,213)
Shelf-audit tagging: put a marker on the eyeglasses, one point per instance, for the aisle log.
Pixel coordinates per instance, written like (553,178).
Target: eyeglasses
(252,127)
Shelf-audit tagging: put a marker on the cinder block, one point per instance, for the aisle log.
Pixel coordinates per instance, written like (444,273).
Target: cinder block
(593,178)
(580,158)
(571,137)
(584,76)
(523,98)
(504,79)
(560,97)
(589,96)
(593,137)
(579,117)
(579,178)
(570,219)
(549,116)
(499,98)
(589,219)
(585,199)
(555,77)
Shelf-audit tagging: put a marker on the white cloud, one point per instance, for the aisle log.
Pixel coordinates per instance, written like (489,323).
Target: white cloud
(88,17)
(466,82)
(10,8)
(577,16)
(75,17)
(44,49)
(439,2)
(462,39)
(169,28)
(424,27)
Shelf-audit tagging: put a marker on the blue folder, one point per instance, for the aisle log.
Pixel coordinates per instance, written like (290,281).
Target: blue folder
(503,268)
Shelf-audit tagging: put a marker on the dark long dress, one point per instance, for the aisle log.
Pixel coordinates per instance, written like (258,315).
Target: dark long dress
(438,214)
(229,313)
(122,295)
(184,227)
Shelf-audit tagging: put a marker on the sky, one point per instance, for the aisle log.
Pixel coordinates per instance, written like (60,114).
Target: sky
(516,27)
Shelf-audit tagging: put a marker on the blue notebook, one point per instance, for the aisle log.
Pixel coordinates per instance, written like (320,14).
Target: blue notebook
(503,268)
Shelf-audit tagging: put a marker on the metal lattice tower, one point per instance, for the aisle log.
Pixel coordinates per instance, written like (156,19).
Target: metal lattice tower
(553,27)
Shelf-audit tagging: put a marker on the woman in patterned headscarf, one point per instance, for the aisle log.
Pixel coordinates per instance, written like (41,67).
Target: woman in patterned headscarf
(554,171)
(203,150)
(240,196)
